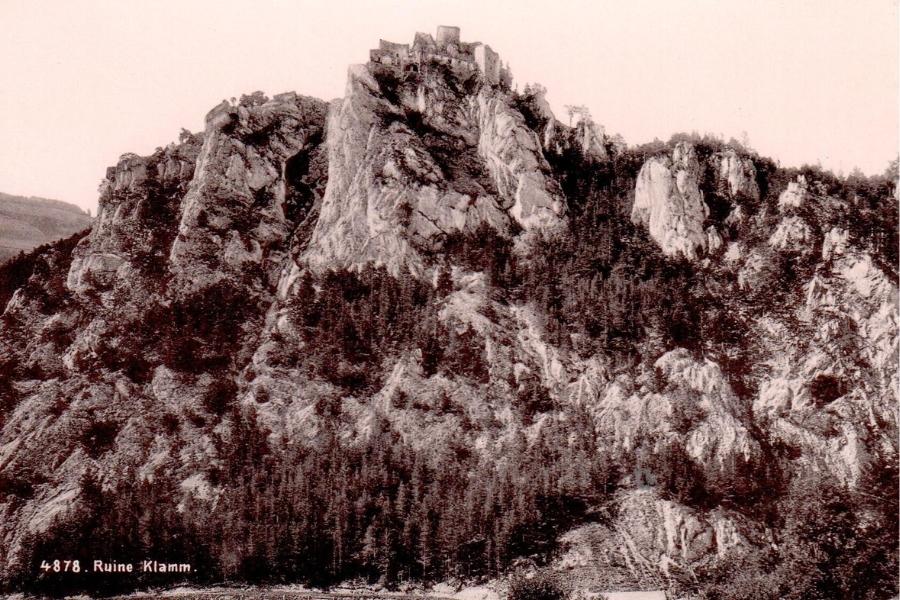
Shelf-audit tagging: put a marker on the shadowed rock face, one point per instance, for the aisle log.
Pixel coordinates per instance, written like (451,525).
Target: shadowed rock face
(232,220)
(29,222)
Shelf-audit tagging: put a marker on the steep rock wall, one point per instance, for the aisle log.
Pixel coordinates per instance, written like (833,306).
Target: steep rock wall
(669,203)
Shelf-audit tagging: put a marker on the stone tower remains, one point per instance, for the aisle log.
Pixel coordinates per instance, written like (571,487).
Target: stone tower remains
(463,58)
(447,35)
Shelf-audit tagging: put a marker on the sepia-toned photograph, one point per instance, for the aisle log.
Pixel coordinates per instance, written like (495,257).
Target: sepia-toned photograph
(449,300)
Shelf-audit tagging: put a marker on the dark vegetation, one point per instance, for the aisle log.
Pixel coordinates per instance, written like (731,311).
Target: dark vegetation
(306,175)
(15,273)
(831,543)
(203,331)
(825,389)
(99,437)
(129,523)
(46,292)
(746,486)
(332,511)
(542,586)
(197,333)
(357,320)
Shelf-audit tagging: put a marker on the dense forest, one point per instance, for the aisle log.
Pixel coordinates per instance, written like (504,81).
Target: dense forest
(332,512)
(15,272)
(379,512)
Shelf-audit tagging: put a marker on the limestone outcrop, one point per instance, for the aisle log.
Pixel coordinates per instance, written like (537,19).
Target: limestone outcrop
(394,192)
(134,227)
(796,194)
(737,173)
(808,395)
(669,203)
(233,218)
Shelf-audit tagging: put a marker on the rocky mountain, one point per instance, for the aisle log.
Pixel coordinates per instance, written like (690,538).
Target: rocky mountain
(429,332)
(29,222)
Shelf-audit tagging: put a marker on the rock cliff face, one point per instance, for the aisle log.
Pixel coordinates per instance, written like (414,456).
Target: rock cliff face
(669,203)
(654,538)
(817,396)
(738,173)
(795,194)
(254,156)
(133,223)
(202,294)
(423,161)
(687,399)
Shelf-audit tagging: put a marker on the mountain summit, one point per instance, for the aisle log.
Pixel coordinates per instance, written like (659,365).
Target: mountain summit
(425,144)
(428,332)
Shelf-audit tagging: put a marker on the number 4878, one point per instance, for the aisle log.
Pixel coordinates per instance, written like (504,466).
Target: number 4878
(61,566)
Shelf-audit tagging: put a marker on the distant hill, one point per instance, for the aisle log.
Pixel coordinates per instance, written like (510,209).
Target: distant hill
(29,222)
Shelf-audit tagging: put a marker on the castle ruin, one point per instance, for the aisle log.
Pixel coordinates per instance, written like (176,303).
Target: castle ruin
(463,58)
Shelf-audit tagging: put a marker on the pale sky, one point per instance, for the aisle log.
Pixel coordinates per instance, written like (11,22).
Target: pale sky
(83,81)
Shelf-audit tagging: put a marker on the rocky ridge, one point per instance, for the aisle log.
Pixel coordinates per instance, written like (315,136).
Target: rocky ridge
(236,218)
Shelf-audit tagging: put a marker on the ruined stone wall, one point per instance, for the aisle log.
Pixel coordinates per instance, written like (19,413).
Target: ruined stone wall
(463,58)
(488,62)
(447,35)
